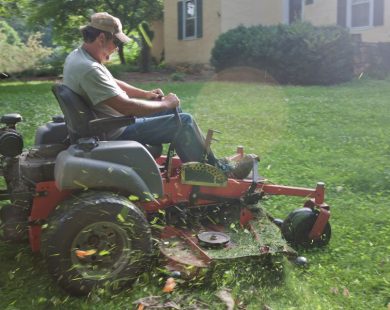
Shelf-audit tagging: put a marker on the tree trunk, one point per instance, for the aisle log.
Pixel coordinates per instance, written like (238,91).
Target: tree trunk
(121,54)
(145,57)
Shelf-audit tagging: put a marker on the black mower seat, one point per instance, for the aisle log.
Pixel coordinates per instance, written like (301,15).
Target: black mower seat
(82,122)
(80,119)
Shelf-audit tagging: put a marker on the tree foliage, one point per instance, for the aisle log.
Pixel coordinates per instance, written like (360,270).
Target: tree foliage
(67,16)
(9,33)
(11,7)
(16,56)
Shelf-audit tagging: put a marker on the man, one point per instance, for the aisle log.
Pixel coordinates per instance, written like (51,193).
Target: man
(85,74)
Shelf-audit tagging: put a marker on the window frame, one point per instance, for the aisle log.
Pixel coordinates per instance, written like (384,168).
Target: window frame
(195,18)
(370,17)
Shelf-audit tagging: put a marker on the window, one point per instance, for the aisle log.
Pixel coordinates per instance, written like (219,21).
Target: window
(189,19)
(358,14)
(361,13)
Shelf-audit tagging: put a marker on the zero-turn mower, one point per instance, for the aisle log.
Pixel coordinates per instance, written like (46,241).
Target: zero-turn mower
(97,209)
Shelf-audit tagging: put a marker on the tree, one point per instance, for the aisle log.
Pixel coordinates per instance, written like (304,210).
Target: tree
(67,16)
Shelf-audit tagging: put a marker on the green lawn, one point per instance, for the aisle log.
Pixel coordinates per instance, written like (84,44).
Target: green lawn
(339,135)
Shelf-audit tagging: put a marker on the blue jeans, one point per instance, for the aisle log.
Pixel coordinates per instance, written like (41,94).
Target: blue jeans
(163,127)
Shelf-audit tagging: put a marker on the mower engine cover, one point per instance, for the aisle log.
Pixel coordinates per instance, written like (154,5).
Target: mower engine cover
(122,165)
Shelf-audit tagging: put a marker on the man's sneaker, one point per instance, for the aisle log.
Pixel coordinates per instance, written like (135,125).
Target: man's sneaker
(237,169)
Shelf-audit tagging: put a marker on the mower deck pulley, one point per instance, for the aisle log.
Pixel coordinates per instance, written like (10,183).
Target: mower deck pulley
(213,238)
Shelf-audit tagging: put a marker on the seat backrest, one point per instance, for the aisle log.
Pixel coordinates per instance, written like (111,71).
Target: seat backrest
(76,111)
(78,115)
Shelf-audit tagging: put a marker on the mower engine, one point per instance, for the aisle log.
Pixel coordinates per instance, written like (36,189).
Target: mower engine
(11,142)
(21,171)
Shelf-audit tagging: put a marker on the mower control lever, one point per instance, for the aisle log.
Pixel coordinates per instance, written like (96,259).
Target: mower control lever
(171,151)
(208,140)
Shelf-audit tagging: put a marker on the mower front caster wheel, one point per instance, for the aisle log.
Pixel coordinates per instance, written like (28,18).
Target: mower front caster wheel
(297,226)
(96,239)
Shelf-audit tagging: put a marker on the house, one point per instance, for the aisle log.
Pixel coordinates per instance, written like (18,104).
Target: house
(190,27)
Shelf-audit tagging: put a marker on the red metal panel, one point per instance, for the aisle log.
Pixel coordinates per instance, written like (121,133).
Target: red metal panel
(245,216)
(175,192)
(288,190)
(48,196)
(320,224)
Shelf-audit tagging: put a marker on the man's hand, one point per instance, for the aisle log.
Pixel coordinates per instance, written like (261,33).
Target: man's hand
(155,94)
(171,101)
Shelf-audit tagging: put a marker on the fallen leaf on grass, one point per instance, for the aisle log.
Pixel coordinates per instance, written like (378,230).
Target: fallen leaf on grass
(346,292)
(169,286)
(227,298)
(83,254)
(334,290)
(388,306)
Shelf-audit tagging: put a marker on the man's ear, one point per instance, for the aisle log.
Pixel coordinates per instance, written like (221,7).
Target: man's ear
(101,38)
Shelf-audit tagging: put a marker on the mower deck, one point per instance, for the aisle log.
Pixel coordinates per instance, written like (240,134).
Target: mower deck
(184,250)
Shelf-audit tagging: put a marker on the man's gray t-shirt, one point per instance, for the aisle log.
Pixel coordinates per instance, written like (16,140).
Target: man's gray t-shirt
(93,82)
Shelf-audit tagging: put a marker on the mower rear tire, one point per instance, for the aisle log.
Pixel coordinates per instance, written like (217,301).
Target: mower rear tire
(95,240)
(297,226)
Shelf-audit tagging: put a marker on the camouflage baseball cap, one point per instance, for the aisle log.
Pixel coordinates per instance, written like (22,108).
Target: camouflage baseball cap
(106,22)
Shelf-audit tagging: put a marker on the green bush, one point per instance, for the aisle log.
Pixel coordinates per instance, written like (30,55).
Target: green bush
(21,57)
(293,54)
(48,67)
(178,76)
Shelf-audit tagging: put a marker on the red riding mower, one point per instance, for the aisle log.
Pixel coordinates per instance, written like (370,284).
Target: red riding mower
(97,209)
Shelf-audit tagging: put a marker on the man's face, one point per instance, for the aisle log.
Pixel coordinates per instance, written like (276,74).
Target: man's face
(108,47)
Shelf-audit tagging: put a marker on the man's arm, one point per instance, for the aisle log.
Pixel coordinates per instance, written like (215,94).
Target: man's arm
(134,92)
(139,107)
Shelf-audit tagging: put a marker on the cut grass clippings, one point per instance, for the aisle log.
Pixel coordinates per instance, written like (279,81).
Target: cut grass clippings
(339,135)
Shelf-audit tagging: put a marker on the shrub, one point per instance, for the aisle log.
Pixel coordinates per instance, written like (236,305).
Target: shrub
(178,76)
(51,65)
(16,56)
(295,54)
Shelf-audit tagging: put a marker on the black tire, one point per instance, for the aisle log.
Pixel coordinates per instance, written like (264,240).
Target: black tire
(297,226)
(100,222)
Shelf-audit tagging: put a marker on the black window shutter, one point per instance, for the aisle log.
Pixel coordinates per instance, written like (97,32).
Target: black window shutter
(379,10)
(199,16)
(342,13)
(180,17)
